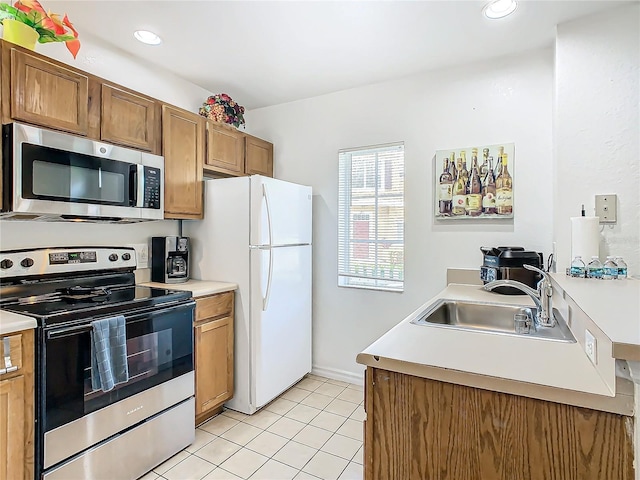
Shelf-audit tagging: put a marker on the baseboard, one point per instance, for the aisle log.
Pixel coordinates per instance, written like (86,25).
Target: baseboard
(336,374)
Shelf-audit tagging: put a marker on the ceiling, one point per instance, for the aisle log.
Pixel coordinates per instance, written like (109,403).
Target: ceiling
(269,52)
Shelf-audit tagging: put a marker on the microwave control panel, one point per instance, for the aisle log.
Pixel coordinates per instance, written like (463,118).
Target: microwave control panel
(151,187)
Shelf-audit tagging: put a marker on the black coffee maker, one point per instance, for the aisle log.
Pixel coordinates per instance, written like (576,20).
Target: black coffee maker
(169,259)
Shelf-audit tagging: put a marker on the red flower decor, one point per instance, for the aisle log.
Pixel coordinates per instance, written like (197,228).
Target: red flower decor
(221,108)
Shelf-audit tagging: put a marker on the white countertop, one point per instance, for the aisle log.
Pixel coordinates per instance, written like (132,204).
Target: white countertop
(521,359)
(198,288)
(13,322)
(614,305)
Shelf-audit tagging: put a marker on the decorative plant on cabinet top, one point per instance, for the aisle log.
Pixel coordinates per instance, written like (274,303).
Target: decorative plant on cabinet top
(48,26)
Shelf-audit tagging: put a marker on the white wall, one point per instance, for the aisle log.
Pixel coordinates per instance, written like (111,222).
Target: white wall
(117,66)
(505,100)
(597,128)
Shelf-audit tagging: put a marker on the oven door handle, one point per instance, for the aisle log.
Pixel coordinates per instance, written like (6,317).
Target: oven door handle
(76,329)
(67,332)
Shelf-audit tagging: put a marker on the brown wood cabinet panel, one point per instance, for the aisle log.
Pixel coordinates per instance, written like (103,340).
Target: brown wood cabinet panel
(48,94)
(130,120)
(183,148)
(225,149)
(424,429)
(258,156)
(214,364)
(12,434)
(214,306)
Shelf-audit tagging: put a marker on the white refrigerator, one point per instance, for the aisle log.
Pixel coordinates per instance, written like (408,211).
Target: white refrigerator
(257,233)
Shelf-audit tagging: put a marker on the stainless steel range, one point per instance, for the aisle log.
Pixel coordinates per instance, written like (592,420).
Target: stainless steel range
(84,428)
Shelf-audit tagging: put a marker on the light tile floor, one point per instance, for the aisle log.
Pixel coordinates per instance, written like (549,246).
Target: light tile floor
(311,431)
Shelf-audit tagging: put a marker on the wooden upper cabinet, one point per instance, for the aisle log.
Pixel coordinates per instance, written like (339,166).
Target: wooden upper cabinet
(48,94)
(130,120)
(225,149)
(258,156)
(183,136)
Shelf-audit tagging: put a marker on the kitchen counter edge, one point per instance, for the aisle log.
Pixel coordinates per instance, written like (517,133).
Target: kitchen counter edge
(13,322)
(198,288)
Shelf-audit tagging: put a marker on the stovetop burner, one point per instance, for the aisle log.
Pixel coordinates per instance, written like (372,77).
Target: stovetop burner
(85,294)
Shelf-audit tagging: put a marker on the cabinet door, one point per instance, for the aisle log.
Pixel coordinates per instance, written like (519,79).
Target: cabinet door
(183,148)
(12,433)
(214,363)
(225,149)
(129,120)
(258,156)
(47,94)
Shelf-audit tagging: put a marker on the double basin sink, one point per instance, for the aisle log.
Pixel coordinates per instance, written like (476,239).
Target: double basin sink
(493,318)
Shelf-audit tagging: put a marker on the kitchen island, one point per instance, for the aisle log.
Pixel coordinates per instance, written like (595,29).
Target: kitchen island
(448,404)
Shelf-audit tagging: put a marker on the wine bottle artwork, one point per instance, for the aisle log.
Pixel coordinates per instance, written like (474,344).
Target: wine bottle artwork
(474,189)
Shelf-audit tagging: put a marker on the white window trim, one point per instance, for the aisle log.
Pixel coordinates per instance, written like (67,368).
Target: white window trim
(345,216)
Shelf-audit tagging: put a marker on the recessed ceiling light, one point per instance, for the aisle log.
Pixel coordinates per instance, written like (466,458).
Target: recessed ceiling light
(147,37)
(499,8)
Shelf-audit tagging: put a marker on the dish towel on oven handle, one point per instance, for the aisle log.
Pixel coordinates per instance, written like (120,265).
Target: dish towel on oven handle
(108,353)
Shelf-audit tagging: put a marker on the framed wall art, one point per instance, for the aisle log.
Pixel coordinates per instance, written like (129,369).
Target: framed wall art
(474,182)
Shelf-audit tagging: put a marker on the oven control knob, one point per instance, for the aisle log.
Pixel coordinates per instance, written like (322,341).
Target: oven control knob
(27,262)
(126,256)
(113,257)
(6,263)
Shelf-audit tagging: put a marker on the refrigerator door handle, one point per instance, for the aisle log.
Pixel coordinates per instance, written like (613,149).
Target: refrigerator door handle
(265,195)
(265,300)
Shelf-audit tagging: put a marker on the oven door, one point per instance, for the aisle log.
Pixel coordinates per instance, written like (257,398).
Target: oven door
(159,350)
(61,174)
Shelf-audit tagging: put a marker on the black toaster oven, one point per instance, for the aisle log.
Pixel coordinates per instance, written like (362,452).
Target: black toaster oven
(507,263)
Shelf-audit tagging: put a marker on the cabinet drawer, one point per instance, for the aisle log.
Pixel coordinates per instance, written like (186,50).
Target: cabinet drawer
(15,353)
(214,306)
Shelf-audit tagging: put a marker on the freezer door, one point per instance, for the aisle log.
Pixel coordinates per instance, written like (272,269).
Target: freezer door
(280,212)
(280,320)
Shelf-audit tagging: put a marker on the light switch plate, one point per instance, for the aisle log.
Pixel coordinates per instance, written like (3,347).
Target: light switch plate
(606,208)
(590,347)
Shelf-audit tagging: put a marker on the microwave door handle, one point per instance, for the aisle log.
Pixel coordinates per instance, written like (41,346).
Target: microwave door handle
(140,186)
(133,185)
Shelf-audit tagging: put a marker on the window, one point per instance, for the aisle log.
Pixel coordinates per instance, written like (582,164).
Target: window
(371,217)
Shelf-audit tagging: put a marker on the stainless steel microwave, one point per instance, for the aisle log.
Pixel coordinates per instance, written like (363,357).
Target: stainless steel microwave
(49,175)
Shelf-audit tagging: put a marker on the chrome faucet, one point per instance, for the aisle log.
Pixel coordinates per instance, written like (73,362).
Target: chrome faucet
(541,297)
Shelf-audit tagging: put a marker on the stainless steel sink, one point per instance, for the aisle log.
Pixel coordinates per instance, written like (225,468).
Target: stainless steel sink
(493,318)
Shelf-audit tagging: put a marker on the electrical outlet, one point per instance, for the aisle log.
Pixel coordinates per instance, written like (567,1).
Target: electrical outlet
(142,254)
(590,346)
(606,208)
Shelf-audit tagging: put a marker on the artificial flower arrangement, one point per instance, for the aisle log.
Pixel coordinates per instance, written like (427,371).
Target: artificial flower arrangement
(49,26)
(221,108)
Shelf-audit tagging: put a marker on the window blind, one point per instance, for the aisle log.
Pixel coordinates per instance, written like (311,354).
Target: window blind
(371,217)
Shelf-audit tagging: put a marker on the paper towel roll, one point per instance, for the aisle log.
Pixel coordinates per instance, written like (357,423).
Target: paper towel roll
(585,237)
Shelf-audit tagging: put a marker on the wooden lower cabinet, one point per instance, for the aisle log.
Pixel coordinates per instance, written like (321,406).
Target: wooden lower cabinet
(418,428)
(17,409)
(213,353)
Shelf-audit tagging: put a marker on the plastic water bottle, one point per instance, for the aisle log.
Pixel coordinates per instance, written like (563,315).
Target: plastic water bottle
(622,268)
(594,269)
(610,271)
(577,267)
